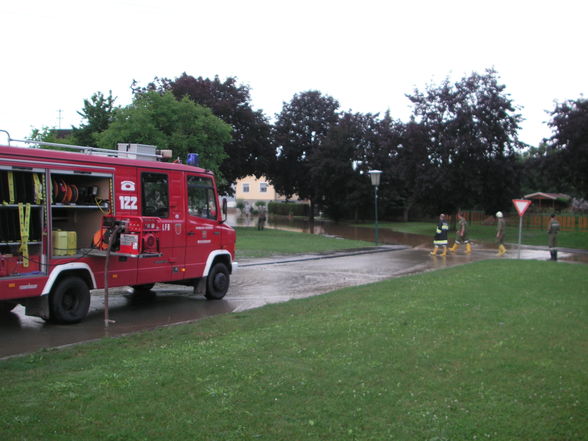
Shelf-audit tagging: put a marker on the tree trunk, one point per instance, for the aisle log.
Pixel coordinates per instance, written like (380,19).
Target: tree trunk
(405,211)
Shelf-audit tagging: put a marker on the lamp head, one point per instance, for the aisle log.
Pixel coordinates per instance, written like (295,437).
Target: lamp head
(375,177)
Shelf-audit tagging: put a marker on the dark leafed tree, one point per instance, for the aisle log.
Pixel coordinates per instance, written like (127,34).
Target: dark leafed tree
(300,129)
(569,122)
(337,167)
(414,178)
(472,143)
(97,115)
(542,169)
(250,152)
(380,152)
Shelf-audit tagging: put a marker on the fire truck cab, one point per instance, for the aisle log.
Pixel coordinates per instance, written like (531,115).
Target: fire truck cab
(71,222)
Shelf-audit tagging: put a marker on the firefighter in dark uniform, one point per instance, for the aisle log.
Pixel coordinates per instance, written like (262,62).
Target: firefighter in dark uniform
(440,238)
(552,231)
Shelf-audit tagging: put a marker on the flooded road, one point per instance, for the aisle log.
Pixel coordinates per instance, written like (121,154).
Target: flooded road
(365,233)
(257,282)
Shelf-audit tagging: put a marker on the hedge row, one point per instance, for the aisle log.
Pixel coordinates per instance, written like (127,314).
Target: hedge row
(288,209)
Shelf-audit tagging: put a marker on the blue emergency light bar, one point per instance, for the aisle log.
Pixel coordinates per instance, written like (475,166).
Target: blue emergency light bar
(193,159)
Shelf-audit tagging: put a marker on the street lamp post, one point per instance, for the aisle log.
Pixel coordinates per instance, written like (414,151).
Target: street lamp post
(375,177)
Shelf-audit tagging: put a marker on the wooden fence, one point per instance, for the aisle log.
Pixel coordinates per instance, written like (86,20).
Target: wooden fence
(567,221)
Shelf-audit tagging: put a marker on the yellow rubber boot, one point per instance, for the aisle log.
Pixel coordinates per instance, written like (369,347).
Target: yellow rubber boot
(434,252)
(444,253)
(501,250)
(468,248)
(454,248)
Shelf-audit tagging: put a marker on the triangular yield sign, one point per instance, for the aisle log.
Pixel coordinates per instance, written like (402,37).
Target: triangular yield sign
(521,205)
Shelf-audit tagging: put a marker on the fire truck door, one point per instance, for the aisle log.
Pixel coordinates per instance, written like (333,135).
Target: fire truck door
(202,232)
(160,200)
(178,228)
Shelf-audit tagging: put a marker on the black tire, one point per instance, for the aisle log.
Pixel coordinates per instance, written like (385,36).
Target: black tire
(141,290)
(217,282)
(7,307)
(70,300)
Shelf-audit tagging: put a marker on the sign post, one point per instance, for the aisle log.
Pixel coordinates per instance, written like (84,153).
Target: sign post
(521,205)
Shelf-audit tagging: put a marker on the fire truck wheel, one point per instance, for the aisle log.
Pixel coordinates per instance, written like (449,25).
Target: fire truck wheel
(217,282)
(70,300)
(141,290)
(6,307)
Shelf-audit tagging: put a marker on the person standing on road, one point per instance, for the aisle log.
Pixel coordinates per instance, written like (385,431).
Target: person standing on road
(552,234)
(261,219)
(500,230)
(461,235)
(440,238)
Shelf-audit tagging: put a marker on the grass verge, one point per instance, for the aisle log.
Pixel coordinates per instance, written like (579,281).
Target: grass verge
(491,350)
(271,242)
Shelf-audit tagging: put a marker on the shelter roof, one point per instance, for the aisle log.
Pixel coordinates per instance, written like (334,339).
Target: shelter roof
(549,196)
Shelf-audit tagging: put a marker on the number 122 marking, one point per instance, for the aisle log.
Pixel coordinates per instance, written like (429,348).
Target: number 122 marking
(128,202)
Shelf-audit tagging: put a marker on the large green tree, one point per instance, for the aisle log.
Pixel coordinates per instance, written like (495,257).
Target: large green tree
(182,126)
(300,129)
(471,141)
(97,114)
(569,122)
(249,152)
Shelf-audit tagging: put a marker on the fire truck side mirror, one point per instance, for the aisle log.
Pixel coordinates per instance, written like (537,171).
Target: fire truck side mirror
(225,209)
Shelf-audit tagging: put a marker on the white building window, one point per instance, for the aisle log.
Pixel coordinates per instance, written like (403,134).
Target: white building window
(263,187)
(245,188)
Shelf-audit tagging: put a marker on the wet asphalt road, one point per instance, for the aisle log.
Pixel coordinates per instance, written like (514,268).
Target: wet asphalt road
(256,283)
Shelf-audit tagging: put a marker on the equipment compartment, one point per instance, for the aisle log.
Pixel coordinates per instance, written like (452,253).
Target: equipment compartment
(79,201)
(21,220)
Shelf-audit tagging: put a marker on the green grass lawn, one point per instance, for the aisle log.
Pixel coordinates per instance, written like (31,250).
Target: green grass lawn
(490,350)
(270,242)
(487,233)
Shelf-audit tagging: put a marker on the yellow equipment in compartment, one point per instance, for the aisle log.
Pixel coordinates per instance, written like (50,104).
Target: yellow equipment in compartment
(65,243)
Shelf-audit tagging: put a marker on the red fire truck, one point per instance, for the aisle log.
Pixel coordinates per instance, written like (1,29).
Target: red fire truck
(71,222)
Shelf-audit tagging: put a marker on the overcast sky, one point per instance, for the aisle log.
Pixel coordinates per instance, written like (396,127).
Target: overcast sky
(367,54)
